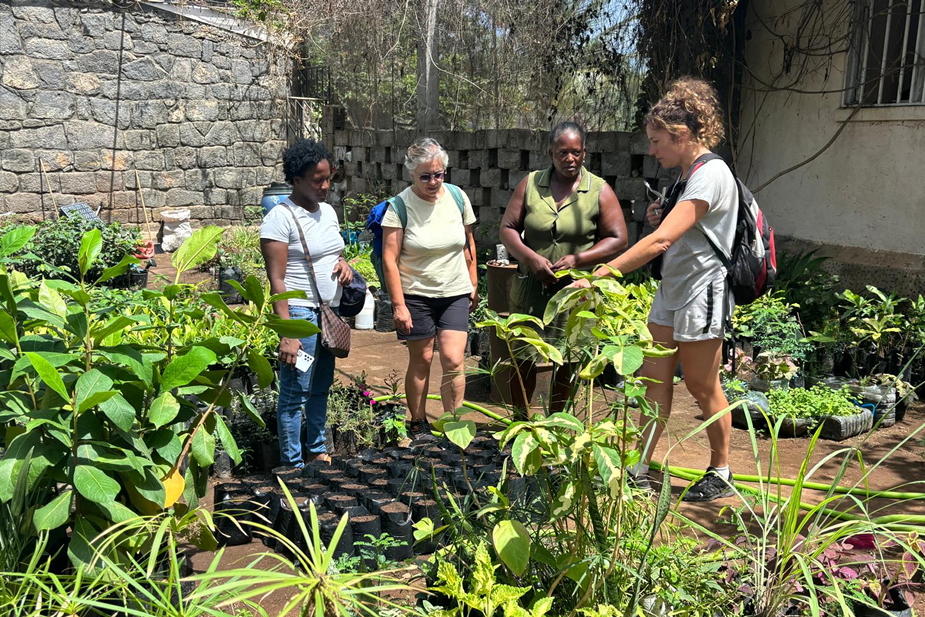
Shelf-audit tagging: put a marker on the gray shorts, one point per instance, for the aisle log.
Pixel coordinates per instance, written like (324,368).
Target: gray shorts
(703,318)
(430,315)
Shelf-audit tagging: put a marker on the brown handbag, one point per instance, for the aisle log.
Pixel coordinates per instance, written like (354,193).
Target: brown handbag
(335,332)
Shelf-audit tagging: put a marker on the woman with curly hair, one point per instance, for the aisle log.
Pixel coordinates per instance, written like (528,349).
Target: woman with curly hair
(304,220)
(689,309)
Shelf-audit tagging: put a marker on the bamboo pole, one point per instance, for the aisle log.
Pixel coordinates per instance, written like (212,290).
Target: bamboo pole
(144,208)
(50,191)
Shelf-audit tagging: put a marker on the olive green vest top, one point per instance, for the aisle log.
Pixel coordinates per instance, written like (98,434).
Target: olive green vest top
(554,233)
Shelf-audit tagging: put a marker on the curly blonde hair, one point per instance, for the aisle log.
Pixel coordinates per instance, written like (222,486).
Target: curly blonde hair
(693,104)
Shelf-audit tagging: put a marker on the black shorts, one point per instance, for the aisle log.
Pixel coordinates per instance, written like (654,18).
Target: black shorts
(428,315)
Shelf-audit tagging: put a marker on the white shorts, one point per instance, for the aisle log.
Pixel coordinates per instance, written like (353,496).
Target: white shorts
(701,319)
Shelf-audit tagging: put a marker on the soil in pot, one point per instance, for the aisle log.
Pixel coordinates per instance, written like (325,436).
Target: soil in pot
(379,485)
(370,473)
(340,502)
(396,521)
(376,501)
(327,524)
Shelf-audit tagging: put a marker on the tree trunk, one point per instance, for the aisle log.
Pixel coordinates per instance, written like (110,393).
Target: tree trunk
(428,75)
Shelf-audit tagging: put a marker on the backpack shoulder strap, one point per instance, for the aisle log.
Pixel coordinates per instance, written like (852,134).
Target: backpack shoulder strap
(458,198)
(398,204)
(457,194)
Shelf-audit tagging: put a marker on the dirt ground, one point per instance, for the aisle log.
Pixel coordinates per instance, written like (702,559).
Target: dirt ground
(379,354)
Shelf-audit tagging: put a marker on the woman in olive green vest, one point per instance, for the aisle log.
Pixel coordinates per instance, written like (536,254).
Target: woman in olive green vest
(558,218)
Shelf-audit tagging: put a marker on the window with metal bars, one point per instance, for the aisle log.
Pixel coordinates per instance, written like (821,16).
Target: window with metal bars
(887,59)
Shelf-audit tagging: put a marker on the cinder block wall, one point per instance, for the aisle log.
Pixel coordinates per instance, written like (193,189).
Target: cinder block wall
(489,164)
(196,110)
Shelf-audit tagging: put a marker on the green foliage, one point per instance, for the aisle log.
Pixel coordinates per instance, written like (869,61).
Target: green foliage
(53,250)
(240,247)
(772,326)
(106,422)
(816,402)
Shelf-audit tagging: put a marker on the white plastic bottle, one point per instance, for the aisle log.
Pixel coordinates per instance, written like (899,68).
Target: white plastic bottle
(364,319)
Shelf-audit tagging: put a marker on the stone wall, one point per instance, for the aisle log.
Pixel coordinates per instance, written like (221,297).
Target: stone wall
(489,164)
(197,111)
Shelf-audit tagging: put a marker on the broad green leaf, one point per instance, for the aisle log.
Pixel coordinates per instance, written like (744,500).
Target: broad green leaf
(79,549)
(117,512)
(562,420)
(261,367)
(216,301)
(226,439)
(254,289)
(248,406)
(8,328)
(89,385)
(628,360)
(94,484)
(169,445)
(15,239)
(197,249)
(119,411)
(90,246)
(525,445)
(292,328)
(512,543)
(563,502)
(117,324)
(460,433)
(54,514)
(184,369)
(163,410)
(118,269)
(131,358)
(287,295)
(48,374)
(51,300)
(97,398)
(148,486)
(203,447)
(609,467)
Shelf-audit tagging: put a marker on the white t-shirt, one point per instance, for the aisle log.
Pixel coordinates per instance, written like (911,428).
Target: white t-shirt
(322,233)
(432,262)
(690,263)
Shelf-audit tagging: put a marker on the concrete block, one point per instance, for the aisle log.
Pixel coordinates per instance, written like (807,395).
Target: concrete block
(490,178)
(377,155)
(616,164)
(630,189)
(477,159)
(500,197)
(515,178)
(461,177)
(638,143)
(650,167)
(509,159)
(168,179)
(358,154)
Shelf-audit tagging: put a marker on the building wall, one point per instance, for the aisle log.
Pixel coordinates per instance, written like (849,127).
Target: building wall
(196,112)
(488,165)
(862,201)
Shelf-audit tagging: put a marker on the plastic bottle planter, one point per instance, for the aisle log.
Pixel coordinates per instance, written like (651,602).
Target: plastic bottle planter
(838,428)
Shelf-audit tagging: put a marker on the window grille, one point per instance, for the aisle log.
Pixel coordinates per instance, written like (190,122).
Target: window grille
(887,60)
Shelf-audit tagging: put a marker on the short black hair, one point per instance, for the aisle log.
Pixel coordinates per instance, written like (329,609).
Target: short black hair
(566,127)
(302,156)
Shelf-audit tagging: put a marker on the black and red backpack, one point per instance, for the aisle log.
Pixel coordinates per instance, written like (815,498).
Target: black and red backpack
(752,268)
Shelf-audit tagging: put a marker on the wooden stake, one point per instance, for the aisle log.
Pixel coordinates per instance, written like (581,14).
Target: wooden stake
(50,191)
(143,207)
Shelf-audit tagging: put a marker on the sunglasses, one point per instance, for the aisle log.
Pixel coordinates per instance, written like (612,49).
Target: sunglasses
(426,178)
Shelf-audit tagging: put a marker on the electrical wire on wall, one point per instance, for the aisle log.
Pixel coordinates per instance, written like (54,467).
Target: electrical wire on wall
(115,128)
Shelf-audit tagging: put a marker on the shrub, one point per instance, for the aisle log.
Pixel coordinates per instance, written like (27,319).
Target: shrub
(54,248)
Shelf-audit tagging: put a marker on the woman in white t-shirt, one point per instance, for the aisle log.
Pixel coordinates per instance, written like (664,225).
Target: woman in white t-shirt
(428,254)
(304,214)
(689,309)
